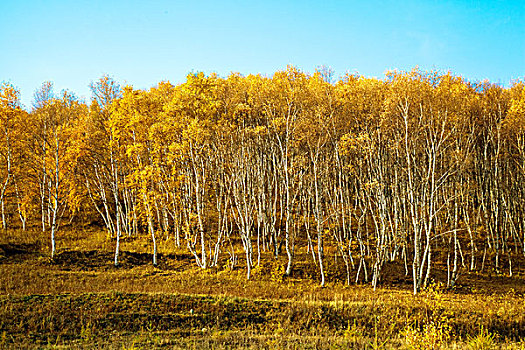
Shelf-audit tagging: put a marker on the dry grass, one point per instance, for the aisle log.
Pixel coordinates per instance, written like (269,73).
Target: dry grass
(80,300)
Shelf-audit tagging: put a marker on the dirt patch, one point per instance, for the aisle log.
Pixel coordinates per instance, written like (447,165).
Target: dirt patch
(92,260)
(13,253)
(82,260)
(495,284)
(394,274)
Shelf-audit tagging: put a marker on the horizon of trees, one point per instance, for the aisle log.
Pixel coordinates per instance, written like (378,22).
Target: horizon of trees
(421,168)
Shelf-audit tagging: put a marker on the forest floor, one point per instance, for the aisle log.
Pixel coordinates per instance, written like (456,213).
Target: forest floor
(80,300)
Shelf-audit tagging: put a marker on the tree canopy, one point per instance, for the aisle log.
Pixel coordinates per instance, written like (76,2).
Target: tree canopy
(418,168)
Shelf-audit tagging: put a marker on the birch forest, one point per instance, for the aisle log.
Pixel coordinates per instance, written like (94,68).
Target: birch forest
(425,170)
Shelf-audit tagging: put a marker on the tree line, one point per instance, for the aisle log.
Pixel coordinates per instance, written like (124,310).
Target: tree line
(421,168)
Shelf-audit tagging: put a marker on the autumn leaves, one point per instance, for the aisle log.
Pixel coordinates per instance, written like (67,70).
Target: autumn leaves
(418,167)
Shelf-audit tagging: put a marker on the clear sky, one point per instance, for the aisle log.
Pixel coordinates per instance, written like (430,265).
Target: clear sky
(140,43)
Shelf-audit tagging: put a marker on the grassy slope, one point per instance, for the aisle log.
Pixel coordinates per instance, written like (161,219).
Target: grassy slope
(80,300)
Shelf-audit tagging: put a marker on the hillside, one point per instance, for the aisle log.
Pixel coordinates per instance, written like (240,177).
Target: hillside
(81,300)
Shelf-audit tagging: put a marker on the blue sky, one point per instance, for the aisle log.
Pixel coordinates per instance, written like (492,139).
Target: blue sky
(140,43)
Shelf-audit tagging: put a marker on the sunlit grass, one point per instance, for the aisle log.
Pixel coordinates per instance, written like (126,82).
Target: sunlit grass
(80,300)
